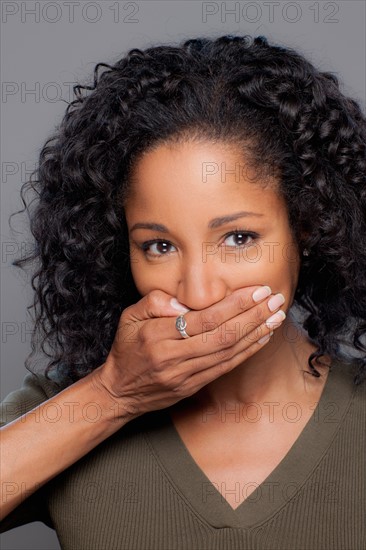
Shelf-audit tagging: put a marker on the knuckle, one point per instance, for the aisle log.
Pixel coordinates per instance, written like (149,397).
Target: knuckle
(185,385)
(225,339)
(208,321)
(252,336)
(248,328)
(231,338)
(261,313)
(180,390)
(158,378)
(159,356)
(154,297)
(150,299)
(177,385)
(223,355)
(246,353)
(225,366)
(162,355)
(255,319)
(243,301)
(159,372)
(145,333)
(195,364)
(155,359)
(126,313)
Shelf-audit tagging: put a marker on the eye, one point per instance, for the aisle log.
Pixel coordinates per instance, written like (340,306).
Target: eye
(161,247)
(239,238)
(156,248)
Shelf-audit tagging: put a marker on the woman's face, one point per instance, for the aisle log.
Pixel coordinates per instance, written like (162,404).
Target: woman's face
(202,226)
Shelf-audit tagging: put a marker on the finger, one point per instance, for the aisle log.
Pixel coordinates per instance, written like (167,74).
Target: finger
(156,303)
(223,342)
(239,350)
(200,371)
(211,318)
(197,372)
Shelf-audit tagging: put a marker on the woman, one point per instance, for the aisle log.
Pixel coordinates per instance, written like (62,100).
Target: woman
(187,206)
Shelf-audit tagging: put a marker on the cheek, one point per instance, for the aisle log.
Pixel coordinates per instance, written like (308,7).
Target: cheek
(150,277)
(268,264)
(284,270)
(140,276)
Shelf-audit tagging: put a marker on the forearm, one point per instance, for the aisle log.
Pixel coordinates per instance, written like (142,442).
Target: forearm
(43,442)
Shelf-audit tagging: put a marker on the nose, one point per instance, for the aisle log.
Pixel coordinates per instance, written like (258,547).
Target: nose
(200,284)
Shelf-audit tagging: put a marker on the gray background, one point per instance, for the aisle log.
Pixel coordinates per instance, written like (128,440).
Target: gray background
(48,46)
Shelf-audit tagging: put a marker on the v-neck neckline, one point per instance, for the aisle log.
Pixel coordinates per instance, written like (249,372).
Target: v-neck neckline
(280,486)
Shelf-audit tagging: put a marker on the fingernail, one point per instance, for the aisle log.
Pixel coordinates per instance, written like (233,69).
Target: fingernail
(276,301)
(261,293)
(265,338)
(178,306)
(276,319)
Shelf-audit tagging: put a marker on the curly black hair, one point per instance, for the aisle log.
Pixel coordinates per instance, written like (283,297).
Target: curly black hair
(240,89)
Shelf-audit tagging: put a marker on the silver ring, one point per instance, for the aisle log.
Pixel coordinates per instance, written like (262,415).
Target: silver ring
(180,325)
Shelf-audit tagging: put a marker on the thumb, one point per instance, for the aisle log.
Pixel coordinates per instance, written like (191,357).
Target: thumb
(177,306)
(156,303)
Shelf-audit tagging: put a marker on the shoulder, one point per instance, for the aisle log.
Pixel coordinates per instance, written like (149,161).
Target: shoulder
(35,389)
(346,371)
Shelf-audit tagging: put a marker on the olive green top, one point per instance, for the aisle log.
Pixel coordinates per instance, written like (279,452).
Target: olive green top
(141,488)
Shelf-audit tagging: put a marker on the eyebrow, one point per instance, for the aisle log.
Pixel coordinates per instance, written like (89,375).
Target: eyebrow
(213,224)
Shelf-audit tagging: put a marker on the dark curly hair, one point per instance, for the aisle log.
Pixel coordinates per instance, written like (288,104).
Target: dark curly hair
(237,89)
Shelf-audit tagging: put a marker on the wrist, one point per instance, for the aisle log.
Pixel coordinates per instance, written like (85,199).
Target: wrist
(115,409)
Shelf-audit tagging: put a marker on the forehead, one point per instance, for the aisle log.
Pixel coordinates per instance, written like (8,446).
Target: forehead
(205,172)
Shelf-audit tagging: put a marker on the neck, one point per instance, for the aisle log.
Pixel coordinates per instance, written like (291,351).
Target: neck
(278,372)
